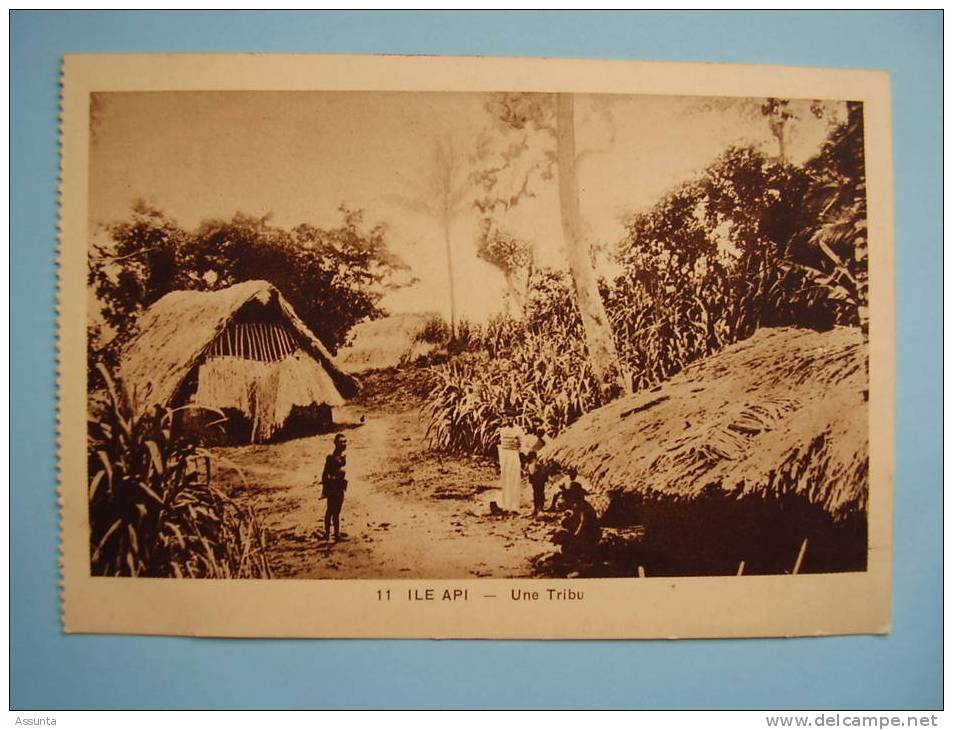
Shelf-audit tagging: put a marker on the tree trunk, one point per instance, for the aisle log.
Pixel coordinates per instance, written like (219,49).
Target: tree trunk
(514,299)
(602,352)
(447,223)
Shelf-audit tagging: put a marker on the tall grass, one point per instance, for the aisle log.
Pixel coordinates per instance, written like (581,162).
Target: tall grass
(546,383)
(150,514)
(663,318)
(536,368)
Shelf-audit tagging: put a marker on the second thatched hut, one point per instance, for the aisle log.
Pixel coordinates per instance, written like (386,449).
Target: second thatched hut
(390,342)
(740,457)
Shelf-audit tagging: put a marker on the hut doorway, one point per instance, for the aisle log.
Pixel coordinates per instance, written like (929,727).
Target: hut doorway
(257,382)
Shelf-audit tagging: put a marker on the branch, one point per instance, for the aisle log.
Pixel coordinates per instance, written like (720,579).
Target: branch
(588,153)
(421,189)
(524,190)
(508,202)
(128,255)
(412,204)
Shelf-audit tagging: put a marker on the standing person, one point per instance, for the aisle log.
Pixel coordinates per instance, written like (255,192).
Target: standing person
(537,475)
(511,477)
(334,484)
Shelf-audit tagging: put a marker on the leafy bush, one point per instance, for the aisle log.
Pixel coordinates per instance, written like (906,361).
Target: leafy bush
(468,338)
(498,336)
(149,513)
(435,331)
(743,246)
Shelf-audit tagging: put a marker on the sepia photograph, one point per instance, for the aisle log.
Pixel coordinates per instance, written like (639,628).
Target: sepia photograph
(414,335)
(443,335)
(518,360)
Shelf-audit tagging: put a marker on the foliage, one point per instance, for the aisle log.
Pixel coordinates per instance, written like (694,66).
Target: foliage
(554,115)
(717,258)
(509,168)
(535,367)
(149,513)
(547,384)
(754,241)
(501,249)
(440,193)
(468,336)
(435,331)
(512,256)
(833,253)
(783,116)
(333,278)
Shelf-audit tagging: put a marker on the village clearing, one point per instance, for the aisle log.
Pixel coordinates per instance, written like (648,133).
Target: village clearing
(740,459)
(408,513)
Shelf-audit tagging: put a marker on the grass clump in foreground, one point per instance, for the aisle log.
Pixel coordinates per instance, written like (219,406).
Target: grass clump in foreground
(150,513)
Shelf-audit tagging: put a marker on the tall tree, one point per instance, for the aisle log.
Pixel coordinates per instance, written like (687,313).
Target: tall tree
(554,115)
(602,352)
(440,193)
(778,113)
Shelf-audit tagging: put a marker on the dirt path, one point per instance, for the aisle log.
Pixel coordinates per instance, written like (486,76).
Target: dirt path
(408,512)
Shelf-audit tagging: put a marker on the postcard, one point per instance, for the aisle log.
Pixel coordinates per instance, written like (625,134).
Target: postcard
(383,346)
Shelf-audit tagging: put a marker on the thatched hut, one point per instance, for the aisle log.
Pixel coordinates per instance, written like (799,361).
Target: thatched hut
(389,342)
(241,351)
(763,444)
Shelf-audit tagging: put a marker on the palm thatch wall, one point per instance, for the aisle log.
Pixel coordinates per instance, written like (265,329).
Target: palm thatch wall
(179,355)
(782,412)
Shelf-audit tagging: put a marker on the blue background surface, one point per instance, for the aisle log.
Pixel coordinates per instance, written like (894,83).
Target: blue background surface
(53,671)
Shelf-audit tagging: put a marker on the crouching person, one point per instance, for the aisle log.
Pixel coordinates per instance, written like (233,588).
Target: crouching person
(580,533)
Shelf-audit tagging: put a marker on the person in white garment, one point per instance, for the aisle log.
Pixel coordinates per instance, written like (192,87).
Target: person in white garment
(511,470)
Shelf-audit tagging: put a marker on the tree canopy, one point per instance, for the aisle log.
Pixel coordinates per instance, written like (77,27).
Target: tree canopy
(333,277)
(753,241)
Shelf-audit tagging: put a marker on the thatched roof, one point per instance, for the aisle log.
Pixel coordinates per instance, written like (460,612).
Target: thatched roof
(174,332)
(386,343)
(784,410)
